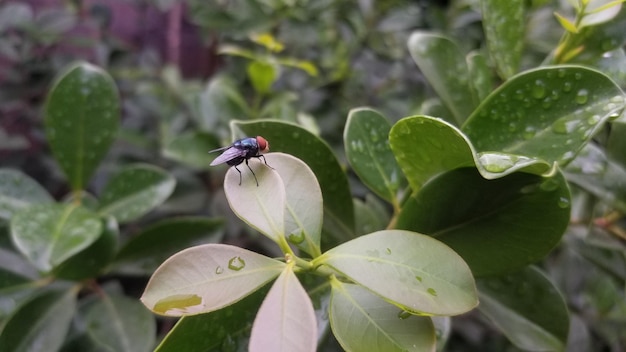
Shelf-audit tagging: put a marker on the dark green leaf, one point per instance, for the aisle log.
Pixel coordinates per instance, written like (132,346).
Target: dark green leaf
(367,149)
(92,260)
(42,321)
(527,308)
(17,191)
(481,74)
(82,117)
(221,330)
(294,140)
(362,321)
(135,191)
(411,270)
(497,226)
(286,320)
(119,323)
(49,234)
(503,22)
(548,113)
(10,280)
(143,253)
(444,66)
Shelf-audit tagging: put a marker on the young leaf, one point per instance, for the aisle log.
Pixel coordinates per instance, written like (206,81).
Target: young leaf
(414,271)
(206,278)
(366,139)
(143,253)
(527,308)
(286,320)
(262,206)
(82,118)
(297,141)
(482,77)
(262,75)
(497,226)
(49,234)
(17,191)
(503,22)
(362,321)
(547,113)
(443,65)
(135,191)
(120,323)
(303,206)
(42,321)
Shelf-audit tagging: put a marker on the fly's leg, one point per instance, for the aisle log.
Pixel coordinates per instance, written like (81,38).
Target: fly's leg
(253,174)
(265,161)
(239,171)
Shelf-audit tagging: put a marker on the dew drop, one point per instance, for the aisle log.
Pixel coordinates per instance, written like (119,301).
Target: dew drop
(219,270)
(567,87)
(388,250)
(418,278)
(296,238)
(538,91)
(432,291)
(582,96)
(236,263)
(563,202)
(578,76)
(403,314)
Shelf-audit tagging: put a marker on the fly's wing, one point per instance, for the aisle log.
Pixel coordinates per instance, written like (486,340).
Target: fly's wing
(228,154)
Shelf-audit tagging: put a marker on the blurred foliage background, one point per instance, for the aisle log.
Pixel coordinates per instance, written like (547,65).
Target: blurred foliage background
(185,69)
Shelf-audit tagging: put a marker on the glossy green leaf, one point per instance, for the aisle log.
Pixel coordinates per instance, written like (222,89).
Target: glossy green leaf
(294,140)
(497,226)
(10,280)
(504,24)
(135,191)
(49,234)
(120,323)
(222,330)
(527,308)
(92,260)
(191,149)
(548,113)
(362,321)
(414,271)
(426,147)
(262,75)
(286,320)
(366,141)
(206,278)
(370,215)
(143,253)
(42,321)
(261,206)
(482,77)
(82,118)
(444,66)
(18,191)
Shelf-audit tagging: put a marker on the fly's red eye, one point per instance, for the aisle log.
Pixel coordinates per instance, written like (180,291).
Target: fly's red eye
(264,146)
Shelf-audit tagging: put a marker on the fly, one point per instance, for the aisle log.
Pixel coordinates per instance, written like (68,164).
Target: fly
(242,150)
